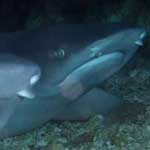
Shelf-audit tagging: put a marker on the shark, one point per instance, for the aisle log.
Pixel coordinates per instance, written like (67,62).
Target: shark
(17,76)
(68,87)
(88,77)
(22,115)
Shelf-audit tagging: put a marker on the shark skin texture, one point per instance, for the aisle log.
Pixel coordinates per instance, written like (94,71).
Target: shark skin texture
(103,48)
(17,76)
(23,115)
(23,118)
(95,102)
(67,89)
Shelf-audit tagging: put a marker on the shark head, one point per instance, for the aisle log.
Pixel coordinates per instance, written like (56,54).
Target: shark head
(126,42)
(137,35)
(103,58)
(17,76)
(90,75)
(131,40)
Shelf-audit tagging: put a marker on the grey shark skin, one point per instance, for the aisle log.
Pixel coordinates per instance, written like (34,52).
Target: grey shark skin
(90,74)
(29,114)
(127,42)
(17,76)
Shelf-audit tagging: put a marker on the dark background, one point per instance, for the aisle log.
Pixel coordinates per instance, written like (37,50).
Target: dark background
(27,14)
(20,14)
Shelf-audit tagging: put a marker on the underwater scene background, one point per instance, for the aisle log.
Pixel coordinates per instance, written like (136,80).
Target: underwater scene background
(128,128)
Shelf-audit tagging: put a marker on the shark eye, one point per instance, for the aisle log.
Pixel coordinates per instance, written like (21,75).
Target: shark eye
(34,79)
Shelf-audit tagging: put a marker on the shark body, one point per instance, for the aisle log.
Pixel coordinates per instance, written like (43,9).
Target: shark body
(17,75)
(68,86)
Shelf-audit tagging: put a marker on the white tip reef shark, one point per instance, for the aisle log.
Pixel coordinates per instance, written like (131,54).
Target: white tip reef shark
(17,76)
(68,87)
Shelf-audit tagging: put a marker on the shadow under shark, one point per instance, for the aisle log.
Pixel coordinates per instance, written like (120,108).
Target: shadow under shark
(68,87)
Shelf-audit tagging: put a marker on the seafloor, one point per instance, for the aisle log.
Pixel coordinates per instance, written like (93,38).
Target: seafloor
(126,129)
